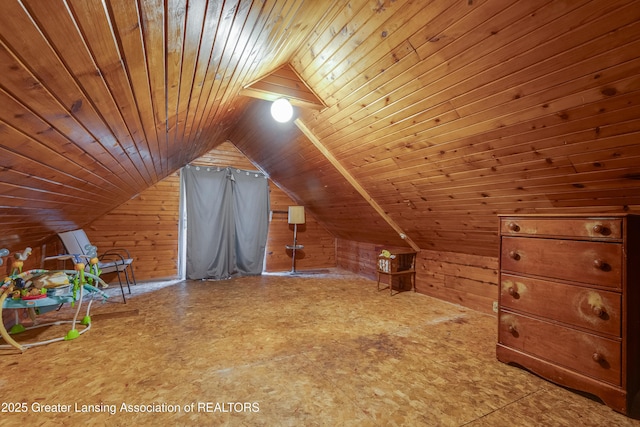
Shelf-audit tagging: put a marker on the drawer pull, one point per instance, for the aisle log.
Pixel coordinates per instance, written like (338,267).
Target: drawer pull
(515,255)
(512,292)
(512,329)
(598,311)
(514,227)
(601,229)
(601,265)
(597,357)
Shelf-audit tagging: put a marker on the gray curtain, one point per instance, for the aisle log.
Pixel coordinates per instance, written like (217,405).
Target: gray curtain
(227,221)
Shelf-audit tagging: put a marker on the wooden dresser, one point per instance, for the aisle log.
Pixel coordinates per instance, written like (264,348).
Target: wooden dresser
(569,305)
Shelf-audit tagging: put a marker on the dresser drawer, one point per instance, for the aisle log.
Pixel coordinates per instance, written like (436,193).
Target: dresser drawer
(591,309)
(588,354)
(597,263)
(586,228)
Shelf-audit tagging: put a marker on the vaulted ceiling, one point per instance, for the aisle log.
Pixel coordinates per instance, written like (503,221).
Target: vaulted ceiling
(438,114)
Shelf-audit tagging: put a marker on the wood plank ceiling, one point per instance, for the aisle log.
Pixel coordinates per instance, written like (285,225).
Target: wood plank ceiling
(446,112)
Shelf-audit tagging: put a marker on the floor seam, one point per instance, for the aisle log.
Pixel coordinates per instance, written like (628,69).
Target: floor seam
(500,408)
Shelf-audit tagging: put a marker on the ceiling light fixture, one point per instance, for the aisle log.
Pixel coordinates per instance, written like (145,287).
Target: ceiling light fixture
(281,110)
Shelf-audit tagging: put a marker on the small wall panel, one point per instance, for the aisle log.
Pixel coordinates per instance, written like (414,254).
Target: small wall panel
(468,280)
(148,227)
(361,258)
(319,244)
(357,257)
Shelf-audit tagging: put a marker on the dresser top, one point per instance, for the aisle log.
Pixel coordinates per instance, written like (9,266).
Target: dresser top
(566,215)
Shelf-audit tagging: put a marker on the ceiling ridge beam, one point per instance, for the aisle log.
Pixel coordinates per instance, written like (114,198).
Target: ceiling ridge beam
(354,183)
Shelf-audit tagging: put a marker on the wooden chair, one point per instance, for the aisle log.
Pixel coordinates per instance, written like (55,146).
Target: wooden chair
(116,260)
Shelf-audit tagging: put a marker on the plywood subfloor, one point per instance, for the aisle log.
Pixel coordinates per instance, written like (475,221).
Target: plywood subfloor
(276,350)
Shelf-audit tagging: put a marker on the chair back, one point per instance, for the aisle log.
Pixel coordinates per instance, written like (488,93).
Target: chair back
(75,241)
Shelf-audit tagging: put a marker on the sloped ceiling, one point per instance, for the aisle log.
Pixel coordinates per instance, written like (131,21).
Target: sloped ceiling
(445,112)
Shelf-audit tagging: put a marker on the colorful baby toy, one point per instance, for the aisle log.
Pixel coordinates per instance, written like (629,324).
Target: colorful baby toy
(39,291)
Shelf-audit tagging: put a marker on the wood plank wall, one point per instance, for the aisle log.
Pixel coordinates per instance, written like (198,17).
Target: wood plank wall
(357,257)
(319,246)
(468,280)
(147,226)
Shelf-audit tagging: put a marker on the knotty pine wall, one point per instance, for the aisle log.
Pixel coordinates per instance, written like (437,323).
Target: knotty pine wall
(319,246)
(147,226)
(468,280)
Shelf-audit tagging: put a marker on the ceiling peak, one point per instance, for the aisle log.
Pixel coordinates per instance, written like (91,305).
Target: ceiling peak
(284,82)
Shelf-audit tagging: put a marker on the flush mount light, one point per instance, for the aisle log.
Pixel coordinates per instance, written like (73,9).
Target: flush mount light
(281,110)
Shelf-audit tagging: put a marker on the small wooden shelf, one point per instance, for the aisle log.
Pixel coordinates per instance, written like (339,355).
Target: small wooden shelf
(399,264)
